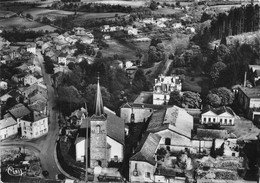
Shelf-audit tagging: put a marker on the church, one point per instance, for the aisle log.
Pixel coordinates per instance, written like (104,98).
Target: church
(104,139)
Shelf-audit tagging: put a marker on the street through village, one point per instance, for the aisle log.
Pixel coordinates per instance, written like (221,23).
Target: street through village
(44,146)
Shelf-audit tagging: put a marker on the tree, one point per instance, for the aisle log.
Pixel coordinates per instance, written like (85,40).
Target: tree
(90,93)
(216,72)
(213,100)
(175,99)
(153,5)
(226,95)
(191,99)
(140,82)
(161,153)
(49,66)
(28,15)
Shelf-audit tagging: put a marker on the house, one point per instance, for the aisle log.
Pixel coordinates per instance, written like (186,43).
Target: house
(174,125)
(34,125)
(249,101)
(8,127)
(62,58)
(106,136)
(78,116)
(132,31)
(164,85)
(130,71)
(142,164)
(29,91)
(79,31)
(224,116)
(17,112)
(106,36)
(18,78)
(31,47)
(3,85)
(105,28)
(141,112)
(177,26)
(30,79)
(39,106)
(88,38)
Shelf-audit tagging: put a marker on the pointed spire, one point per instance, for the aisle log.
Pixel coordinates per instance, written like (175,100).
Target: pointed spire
(99,108)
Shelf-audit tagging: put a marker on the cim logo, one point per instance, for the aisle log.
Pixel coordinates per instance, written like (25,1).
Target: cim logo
(15,171)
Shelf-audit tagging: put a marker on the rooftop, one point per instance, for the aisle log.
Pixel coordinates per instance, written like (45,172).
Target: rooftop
(34,116)
(251,92)
(141,105)
(147,148)
(19,111)
(219,110)
(4,123)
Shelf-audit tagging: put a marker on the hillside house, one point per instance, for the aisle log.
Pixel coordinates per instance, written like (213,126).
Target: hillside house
(3,85)
(62,58)
(34,125)
(79,31)
(8,127)
(30,79)
(78,116)
(254,70)
(164,85)
(224,116)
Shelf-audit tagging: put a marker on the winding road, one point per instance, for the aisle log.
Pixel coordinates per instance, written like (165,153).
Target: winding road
(44,146)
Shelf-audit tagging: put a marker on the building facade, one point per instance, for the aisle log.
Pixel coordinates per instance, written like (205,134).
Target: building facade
(8,127)
(164,85)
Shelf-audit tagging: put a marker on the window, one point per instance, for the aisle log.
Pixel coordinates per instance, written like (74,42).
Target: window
(205,119)
(230,121)
(214,120)
(147,174)
(233,154)
(225,121)
(135,172)
(167,141)
(98,128)
(209,119)
(220,120)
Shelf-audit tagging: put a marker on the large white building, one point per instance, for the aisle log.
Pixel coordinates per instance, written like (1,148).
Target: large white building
(164,85)
(221,115)
(34,125)
(8,127)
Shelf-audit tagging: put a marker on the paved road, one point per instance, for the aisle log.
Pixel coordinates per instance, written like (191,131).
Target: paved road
(46,144)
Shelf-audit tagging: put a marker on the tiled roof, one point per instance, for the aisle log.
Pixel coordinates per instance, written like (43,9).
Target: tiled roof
(38,105)
(34,116)
(210,134)
(146,149)
(218,110)
(4,123)
(251,92)
(19,111)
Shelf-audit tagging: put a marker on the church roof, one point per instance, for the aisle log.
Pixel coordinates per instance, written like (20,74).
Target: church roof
(99,108)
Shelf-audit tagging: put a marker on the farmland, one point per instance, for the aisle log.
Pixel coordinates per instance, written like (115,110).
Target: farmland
(22,22)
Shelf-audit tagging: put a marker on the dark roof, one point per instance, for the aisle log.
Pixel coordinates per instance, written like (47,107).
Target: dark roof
(34,116)
(157,119)
(146,149)
(136,105)
(210,134)
(251,92)
(19,111)
(14,93)
(115,127)
(218,110)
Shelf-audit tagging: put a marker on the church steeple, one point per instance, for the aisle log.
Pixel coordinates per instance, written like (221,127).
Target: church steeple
(99,108)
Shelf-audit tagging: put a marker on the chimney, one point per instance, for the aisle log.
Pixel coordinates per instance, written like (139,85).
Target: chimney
(245,79)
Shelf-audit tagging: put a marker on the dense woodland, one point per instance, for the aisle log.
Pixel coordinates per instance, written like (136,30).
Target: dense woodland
(237,21)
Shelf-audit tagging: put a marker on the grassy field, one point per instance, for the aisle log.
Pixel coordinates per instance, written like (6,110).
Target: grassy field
(40,12)
(21,22)
(167,11)
(123,3)
(89,16)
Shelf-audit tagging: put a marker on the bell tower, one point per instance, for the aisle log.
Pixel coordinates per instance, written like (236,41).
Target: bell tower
(98,133)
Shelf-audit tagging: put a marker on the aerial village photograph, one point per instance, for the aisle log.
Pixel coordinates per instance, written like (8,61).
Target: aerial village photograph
(130,91)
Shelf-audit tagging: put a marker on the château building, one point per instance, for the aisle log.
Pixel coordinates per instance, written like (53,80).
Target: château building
(164,85)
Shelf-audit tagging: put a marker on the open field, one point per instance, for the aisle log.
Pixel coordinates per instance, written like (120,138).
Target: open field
(39,12)
(166,11)
(123,3)
(88,16)
(22,22)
